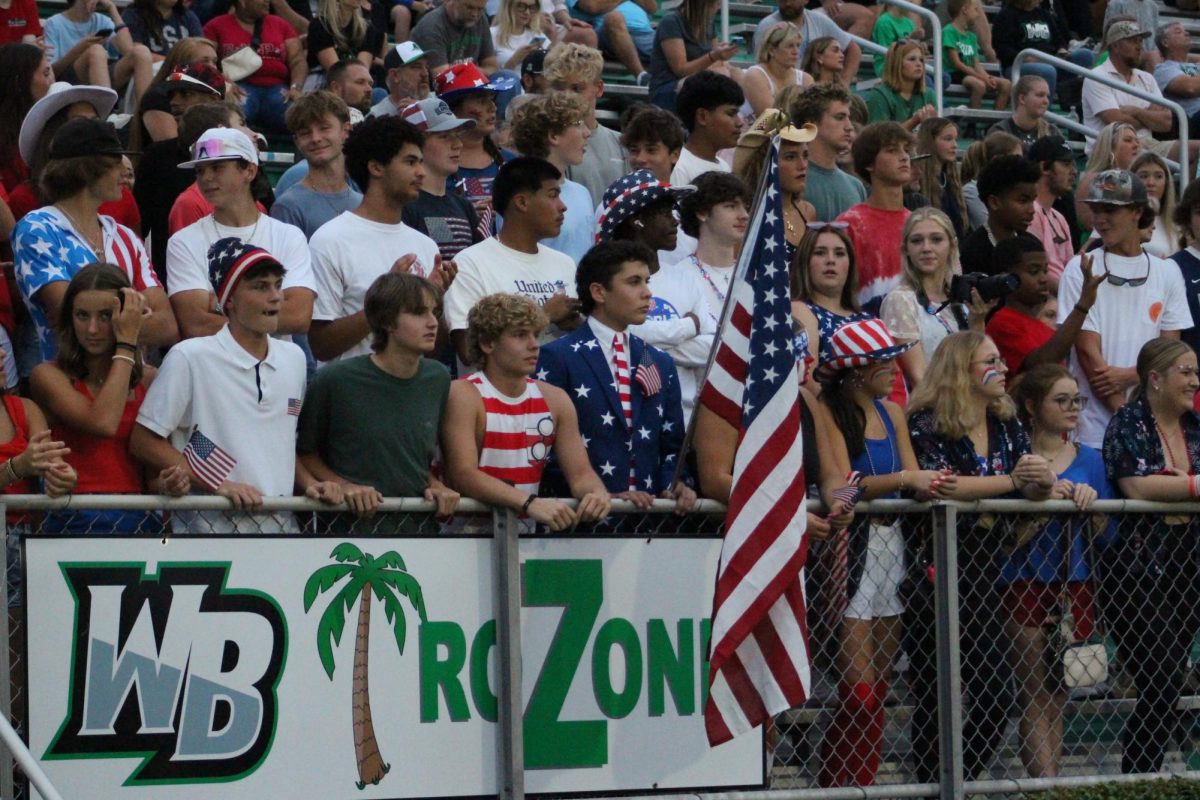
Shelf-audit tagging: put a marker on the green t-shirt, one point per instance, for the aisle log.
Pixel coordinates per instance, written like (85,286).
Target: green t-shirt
(373,428)
(967,45)
(883,103)
(889,29)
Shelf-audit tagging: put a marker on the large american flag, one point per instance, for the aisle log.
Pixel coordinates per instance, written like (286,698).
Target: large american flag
(759,664)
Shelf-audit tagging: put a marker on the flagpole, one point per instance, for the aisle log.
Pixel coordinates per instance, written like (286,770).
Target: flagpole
(743,263)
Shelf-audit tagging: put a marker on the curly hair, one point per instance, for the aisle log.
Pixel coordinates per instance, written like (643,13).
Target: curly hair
(948,387)
(644,124)
(378,139)
(392,294)
(542,117)
(72,358)
(493,315)
(712,189)
(812,103)
(568,60)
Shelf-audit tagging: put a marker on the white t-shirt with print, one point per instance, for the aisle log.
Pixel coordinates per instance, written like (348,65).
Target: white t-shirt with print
(491,267)
(690,165)
(187,252)
(349,252)
(1126,317)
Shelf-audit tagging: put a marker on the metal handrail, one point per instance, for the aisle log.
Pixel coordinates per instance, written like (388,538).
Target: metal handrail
(936,28)
(11,740)
(1075,69)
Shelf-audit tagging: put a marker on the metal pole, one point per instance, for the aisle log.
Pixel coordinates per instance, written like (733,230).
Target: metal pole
(949,682)
(33,770)
(725,22)
(508,647)
(1075,69)
(6,699)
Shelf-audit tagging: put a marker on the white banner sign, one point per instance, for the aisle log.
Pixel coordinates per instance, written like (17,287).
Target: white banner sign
(366,668)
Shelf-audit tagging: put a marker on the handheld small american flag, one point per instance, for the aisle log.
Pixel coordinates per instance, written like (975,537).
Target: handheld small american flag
(648,375)
(293,407)
(837,556)
(211,464)
(759,664)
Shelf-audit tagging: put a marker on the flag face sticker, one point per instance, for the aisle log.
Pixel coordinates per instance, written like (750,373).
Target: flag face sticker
(211,464)
(759,664)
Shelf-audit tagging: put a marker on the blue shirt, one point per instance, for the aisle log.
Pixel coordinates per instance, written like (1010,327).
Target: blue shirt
(579,224)
(62,33)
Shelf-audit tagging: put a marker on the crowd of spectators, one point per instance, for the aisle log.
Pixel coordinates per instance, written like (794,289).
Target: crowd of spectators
(468,286)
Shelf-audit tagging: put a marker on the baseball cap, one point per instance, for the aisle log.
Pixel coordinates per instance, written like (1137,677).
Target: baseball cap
(1051,148)
(1117,187)
(432,115)
(197,77)
(86,137)
(628,196)
(402,54)
(231,259)
(1123,29)
(534,63)
(221,144)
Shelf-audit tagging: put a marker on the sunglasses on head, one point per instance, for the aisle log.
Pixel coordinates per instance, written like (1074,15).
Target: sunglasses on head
(820,226)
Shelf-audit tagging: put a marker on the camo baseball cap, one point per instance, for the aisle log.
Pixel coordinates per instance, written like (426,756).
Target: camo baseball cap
(1117,187)
(1124,29)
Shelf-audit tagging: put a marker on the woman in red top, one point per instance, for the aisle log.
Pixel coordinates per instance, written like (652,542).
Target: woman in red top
(92,393)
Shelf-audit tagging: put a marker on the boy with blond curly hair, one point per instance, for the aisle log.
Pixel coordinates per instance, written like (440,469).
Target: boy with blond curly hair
(553,127)
(576,69)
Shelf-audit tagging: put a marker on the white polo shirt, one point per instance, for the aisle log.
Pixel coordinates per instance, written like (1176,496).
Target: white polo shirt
(187,252)
(349,252)
(1097,97)
(211,384)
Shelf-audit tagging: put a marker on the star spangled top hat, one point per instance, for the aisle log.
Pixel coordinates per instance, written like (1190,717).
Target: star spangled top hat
(629,195)
(230,259)
(857,344)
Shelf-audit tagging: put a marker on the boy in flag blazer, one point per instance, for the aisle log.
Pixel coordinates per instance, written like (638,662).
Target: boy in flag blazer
(227,407)
(626,392)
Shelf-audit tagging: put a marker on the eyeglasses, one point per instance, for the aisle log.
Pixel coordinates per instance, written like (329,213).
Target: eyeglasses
(1066,402)
(1117,280)
(530,7)
(820,226)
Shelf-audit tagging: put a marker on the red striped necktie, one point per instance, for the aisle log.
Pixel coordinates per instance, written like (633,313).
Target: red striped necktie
(621,362)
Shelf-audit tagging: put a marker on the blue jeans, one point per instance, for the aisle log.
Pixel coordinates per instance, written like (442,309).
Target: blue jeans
(265,107)
(1081,57)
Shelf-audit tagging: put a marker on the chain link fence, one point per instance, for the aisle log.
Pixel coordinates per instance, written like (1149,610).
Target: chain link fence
(1073,653)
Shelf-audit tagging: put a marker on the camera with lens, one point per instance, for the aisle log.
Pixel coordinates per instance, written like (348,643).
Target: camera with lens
(990,287)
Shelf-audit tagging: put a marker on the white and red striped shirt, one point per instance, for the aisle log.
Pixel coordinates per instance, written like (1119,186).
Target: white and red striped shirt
(518,434)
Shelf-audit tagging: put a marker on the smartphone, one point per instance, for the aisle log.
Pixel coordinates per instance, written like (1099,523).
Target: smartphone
(105,33)
(538,40)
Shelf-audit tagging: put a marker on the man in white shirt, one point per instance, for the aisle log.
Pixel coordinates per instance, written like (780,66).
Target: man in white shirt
(1142,298)
(225,406)
(710,107)
(1103,105)
(226,162)
(383,156)
(526,193)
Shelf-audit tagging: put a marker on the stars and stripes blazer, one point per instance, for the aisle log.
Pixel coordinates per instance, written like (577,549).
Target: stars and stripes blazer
(576,364)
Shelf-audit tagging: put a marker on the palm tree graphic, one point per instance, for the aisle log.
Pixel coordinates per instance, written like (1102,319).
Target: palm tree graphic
(388,578)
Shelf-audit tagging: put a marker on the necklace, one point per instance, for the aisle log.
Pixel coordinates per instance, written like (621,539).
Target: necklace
(97,249)
(891,446)
(248,239)
(712,284)
(787,222)
(1170,451)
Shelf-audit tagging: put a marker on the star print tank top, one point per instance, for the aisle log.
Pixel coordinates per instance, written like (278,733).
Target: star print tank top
(518,434)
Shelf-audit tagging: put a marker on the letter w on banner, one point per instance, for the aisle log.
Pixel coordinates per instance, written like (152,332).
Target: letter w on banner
(759,664)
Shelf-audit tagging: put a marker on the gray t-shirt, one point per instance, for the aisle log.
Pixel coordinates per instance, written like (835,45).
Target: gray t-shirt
(603,164)
(1168,71)
(309,210)
(447,43)
(832,191)
(812,24)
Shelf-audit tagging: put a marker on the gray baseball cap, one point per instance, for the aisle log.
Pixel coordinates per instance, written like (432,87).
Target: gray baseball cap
(432,115)
(1117,187)
(1124,29)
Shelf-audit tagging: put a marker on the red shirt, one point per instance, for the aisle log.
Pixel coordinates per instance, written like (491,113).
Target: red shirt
(230,36)
(875,234)
(103,462)
(19,20)
(190,207)
(1016,336)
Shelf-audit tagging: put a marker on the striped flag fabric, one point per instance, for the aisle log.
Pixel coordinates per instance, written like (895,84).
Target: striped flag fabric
(759,660)
(211,464)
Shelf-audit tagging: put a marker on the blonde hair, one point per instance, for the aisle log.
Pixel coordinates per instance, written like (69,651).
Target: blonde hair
(948,388)
(908,270)
(932,171)
(979,153)
(1104,151)
(893,68)
(353,36)
(536,121)
(1157,355)
(507,25)
(570,59)
(1165,213)
(777,35)
(493,315)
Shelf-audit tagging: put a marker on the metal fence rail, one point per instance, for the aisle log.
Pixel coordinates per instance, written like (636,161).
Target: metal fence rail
(934,723)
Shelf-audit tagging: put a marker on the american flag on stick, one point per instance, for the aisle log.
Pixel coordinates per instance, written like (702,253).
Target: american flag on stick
(211,464)
(759,663)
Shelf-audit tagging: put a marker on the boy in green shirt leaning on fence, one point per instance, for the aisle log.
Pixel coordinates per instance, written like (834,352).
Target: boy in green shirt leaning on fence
(961,50)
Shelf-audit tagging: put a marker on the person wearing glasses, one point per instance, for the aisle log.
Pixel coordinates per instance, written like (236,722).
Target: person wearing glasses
(1150,578)
(1143,297)
(962,420)
(1035,582)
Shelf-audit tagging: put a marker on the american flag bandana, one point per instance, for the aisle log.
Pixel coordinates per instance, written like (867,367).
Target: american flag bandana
(648,376)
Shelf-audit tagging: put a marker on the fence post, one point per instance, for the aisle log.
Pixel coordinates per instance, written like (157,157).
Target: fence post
(7,788)
(508,648)
(949,682)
